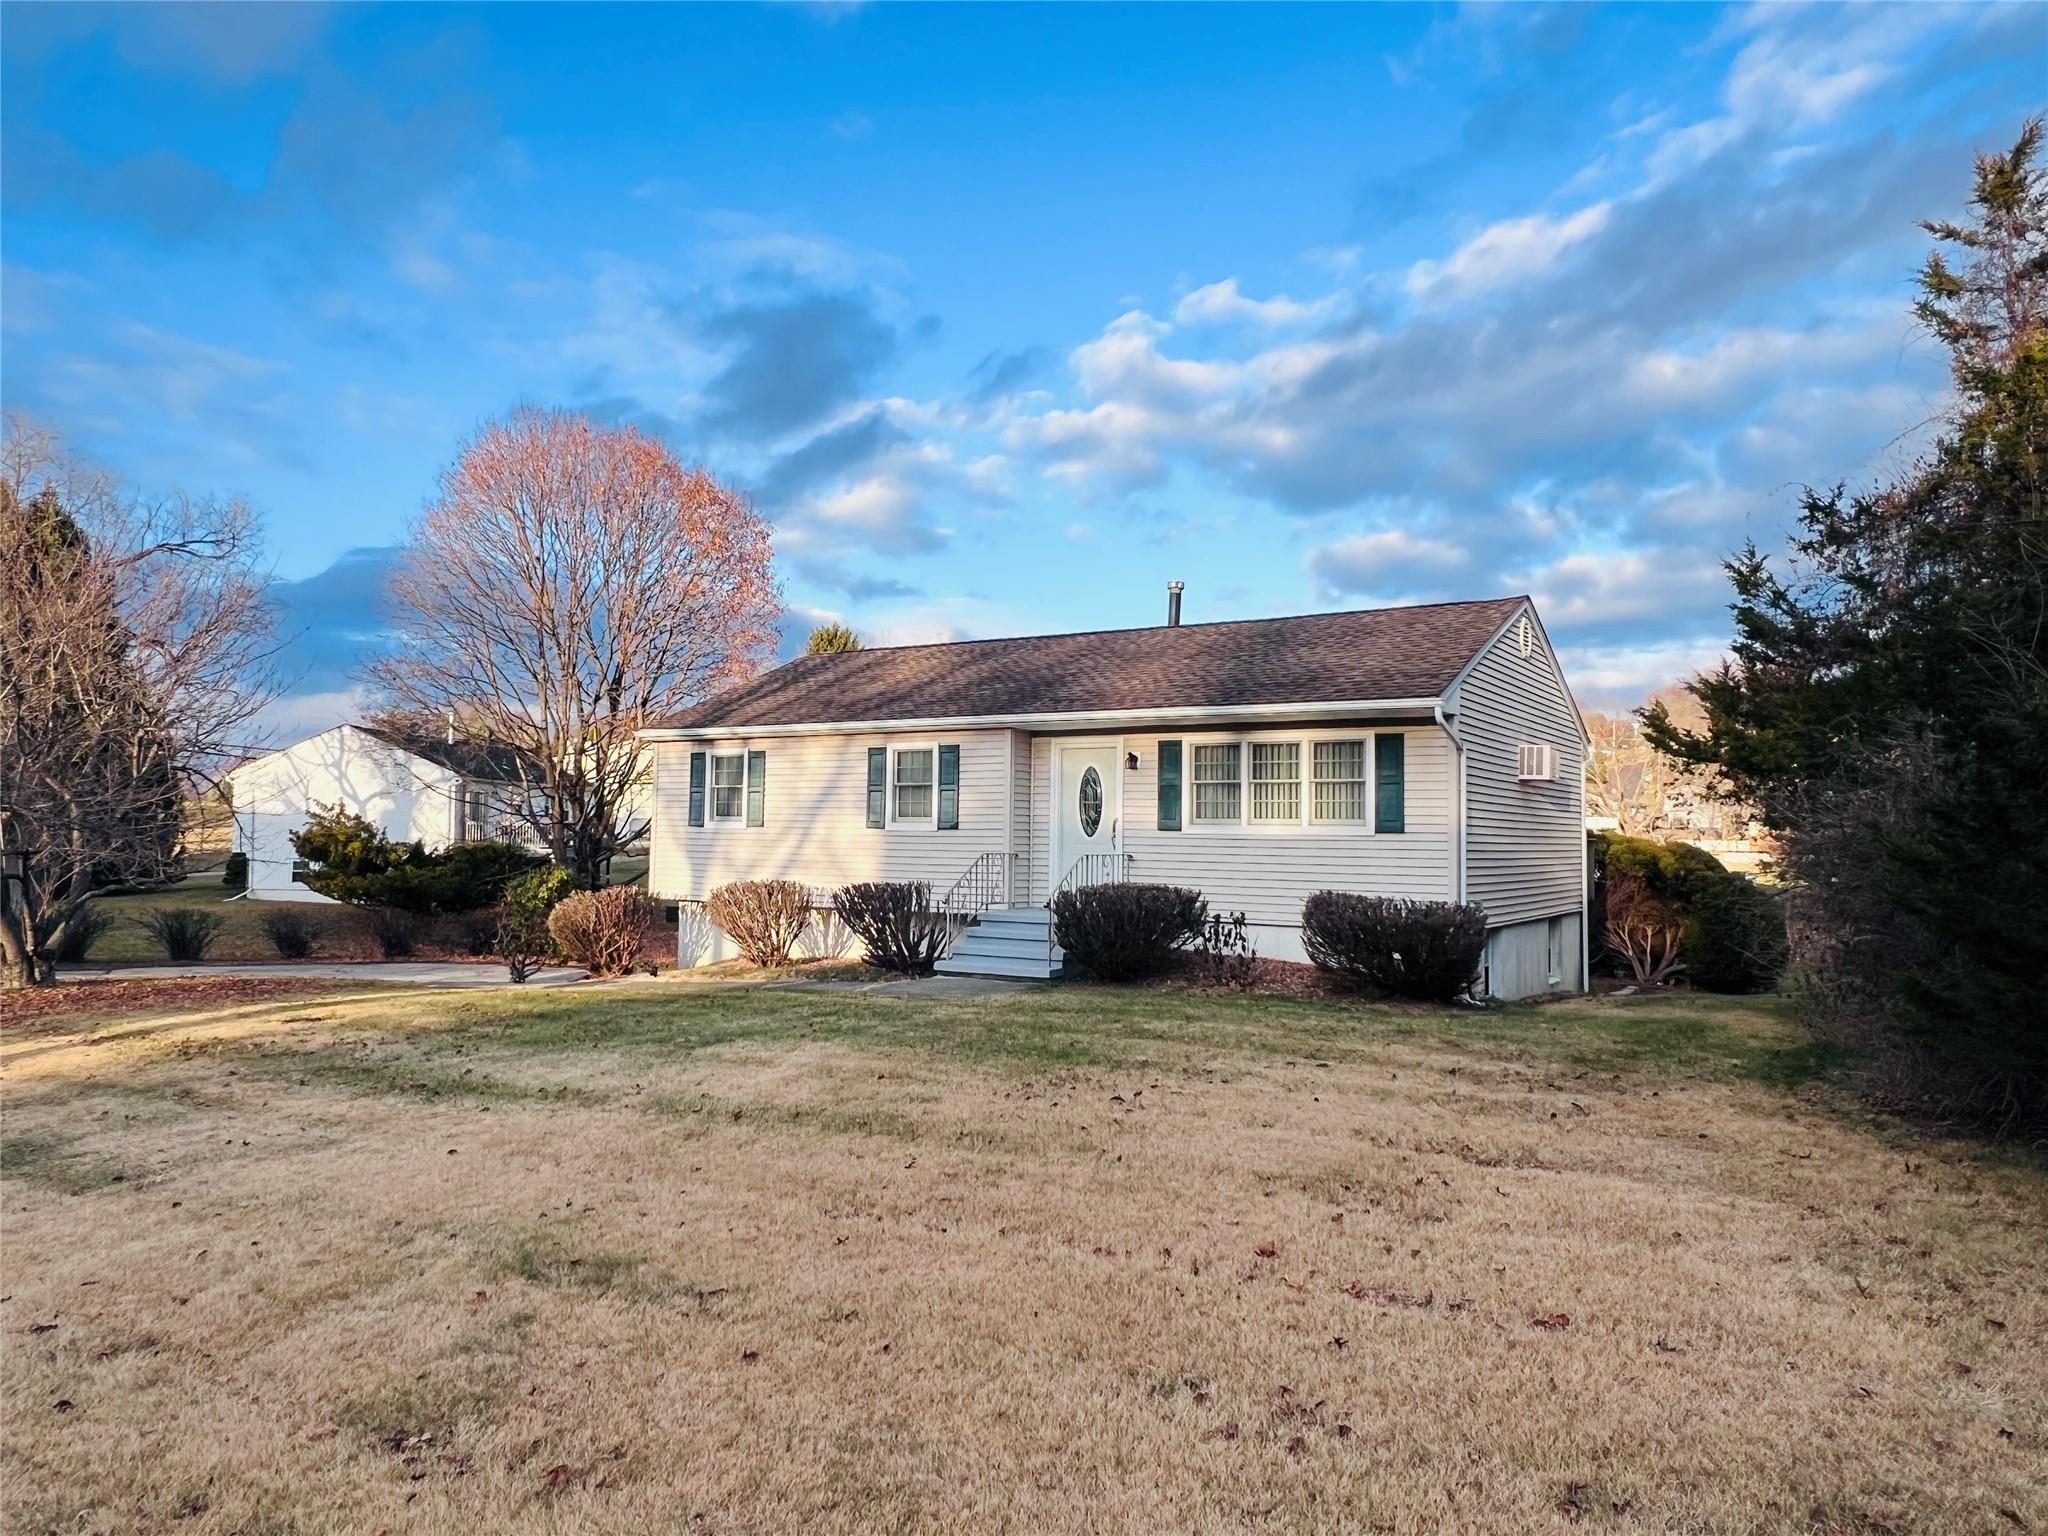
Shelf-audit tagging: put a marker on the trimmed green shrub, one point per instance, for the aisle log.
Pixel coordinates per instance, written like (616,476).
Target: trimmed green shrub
(1422,949)
(356,863)
(765,918)
(1732,937)
(605,931)
(895,921)
(1125,932)
(1735,937)
(183,933)
(235,874)
(522,940)
(294,935)
(87,924)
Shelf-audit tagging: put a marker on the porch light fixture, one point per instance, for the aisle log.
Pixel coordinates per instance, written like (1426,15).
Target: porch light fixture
(1131,761)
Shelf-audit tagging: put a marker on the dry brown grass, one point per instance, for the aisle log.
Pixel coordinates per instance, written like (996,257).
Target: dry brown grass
(673,1260)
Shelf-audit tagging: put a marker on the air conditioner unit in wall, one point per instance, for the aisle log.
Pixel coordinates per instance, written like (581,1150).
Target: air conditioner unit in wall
(1535,760)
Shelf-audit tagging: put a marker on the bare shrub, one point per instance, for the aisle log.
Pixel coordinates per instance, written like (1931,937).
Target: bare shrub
(604,931)
(1643,928)
(397,933)
(183,933)
(765,918)
(294,935)
(1226,957)
(84,930)
(894,919)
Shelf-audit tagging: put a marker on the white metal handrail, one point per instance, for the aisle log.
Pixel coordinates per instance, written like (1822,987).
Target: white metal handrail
(986,884)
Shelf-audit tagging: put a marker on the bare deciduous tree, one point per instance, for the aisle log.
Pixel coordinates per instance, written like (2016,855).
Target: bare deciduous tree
(135,642)
(571,583)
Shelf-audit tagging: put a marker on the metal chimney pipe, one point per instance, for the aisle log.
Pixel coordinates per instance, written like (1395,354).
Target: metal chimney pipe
(1173,592)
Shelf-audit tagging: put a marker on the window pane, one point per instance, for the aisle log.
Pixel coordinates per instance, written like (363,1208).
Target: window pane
(1340,781)
(1340,760)
(1276,781)
(728,787)
(1214,771)
(914,785)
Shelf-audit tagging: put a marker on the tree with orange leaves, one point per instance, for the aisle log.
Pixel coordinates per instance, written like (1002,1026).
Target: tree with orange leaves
(571,583)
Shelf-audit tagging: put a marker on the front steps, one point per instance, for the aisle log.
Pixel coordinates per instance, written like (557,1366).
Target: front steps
(1015,942)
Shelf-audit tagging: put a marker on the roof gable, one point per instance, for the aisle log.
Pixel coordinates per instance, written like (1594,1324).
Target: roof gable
(1318,658)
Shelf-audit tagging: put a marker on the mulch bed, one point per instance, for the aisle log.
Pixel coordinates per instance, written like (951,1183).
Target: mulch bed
(43,1006)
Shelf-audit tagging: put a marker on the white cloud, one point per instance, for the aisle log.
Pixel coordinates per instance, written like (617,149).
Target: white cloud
(1224,304)
(1623,676)
(1505,253)
(1391,565)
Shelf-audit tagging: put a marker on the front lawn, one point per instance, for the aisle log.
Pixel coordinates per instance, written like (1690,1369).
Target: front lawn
(676,1257)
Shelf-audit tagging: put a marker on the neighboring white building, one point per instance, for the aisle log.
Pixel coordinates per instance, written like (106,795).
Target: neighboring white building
(1429,752)
(436,793)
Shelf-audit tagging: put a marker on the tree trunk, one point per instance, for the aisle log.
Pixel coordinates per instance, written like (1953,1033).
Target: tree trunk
(17,975)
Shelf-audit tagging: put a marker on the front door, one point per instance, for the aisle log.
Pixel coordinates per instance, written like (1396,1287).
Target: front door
(1087,805)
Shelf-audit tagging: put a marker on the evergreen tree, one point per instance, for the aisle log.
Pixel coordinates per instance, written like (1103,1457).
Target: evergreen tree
(831,639)
(1887,705)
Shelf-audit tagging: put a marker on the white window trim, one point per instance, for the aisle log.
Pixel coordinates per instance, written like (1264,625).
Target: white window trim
(916,823)
(1307,824)
(711,816)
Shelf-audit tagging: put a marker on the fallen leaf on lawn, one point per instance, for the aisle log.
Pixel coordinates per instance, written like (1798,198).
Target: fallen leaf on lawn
(558,1476)
(1267,1250)
(1552,1322)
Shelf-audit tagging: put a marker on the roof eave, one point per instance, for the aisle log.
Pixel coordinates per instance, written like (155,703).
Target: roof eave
(1044,721)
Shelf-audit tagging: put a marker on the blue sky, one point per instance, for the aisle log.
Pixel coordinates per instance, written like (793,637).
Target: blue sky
(1006,316)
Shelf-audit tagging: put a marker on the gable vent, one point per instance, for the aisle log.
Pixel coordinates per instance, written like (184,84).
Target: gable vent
(1525,635)
(1535,761)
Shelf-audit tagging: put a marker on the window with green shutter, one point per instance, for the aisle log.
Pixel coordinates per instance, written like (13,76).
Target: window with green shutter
(949,788)
(1169,786)
(878,786)
(696,789)
(1390,766)
(757,788)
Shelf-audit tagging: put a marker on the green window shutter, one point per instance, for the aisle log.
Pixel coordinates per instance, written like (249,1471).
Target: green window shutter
(1169,786)
(949,789)
(878,785)
(1390,768)
(757,788)
(696,789)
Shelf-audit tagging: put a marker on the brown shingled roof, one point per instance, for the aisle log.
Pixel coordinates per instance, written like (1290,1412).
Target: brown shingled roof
(1376,653)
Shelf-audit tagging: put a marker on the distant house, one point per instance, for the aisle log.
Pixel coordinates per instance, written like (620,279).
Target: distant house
(434,792)
(1430,752)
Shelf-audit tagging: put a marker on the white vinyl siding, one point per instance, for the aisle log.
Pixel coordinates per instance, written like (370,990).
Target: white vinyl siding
(815,818)
(1525,838)
(1267,872)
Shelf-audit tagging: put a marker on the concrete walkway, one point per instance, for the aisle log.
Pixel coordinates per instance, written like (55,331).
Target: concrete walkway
(420,973)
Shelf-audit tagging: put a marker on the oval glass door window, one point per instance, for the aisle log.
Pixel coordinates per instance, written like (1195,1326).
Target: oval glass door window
(1091,802)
